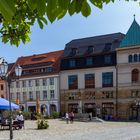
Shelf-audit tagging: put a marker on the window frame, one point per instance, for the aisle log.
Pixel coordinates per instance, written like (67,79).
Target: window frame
(90,84)
(107,79)
(70,82)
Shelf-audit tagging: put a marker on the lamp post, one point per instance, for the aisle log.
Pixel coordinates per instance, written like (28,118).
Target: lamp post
(138,107)
(5,75)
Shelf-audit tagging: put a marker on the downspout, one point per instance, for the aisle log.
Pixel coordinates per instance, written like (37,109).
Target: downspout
(116,91)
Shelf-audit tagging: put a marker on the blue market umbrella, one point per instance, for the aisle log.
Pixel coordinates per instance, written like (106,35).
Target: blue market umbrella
(4,104)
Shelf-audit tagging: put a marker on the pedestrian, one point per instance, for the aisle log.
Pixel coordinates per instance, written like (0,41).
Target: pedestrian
(89,116)
(71,117)
(67,117)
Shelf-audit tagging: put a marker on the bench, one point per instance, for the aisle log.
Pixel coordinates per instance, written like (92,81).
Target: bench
(15,125)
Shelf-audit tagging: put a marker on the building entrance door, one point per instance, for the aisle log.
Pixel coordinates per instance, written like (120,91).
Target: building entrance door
(90,108)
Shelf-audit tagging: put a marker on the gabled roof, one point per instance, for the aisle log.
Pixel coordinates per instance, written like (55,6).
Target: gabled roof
(132,37)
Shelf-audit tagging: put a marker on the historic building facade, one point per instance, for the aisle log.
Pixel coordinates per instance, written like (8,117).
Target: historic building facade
(39,79)
(88,75)
(128,71)
(98,75)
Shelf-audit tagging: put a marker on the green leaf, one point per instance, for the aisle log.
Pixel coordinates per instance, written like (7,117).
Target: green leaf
(4,39)
(72,8)
(41,7)
(86,10)
(44,20)
(98,3)
(40,23)
(78,6)
(32,4)
(62,14)
(51,10)
(7,9)
(63,3)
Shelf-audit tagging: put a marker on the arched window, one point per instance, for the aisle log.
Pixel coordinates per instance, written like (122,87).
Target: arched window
(135,75)
(130,58)
(135,58)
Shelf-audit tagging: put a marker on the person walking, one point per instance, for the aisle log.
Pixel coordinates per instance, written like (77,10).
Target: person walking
(67,117)
(71,117)
(90,116)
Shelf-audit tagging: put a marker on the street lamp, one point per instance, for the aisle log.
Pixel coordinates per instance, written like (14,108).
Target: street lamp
(5,75)
(138,107)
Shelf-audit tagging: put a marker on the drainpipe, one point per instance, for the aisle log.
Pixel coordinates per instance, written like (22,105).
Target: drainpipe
(116,91)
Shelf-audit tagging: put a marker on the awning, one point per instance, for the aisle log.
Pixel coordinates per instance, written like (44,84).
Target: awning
(4,104)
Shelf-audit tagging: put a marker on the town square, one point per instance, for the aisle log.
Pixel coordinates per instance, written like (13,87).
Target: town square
(59,130)
(69,70)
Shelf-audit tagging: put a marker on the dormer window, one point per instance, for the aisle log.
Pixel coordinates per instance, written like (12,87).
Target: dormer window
(90,49)
(74,51)
(107,47)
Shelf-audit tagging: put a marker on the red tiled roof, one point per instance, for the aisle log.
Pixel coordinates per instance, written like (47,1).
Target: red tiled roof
(40,58)
(52,58)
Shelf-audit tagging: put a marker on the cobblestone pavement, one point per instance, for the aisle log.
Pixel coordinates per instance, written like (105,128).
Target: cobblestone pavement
(59,130)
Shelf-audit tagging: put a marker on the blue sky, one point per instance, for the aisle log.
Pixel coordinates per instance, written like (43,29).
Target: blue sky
(113,18)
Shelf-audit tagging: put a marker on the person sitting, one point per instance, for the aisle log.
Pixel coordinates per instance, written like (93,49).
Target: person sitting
(20,120)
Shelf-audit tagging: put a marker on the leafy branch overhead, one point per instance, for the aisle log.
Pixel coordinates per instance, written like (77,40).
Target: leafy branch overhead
(17,16)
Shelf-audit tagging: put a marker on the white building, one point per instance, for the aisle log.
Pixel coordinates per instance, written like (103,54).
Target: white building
(40,79)
(128,65)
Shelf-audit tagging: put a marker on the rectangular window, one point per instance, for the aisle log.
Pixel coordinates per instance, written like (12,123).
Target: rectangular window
(44,94)
(12,85)
(107,79)
(1,87)
(38,94)
(135,93)
(37,82)
(18,95)
(30,82)
(107,59)
(52,94)
(49,69)
(24,96)
(17,84)
(89,61)
(12,96)
(72,63)
(108,94)
(31,96)
(89,81)
(51,81)
(44,82)
(23,83)
(73,82)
